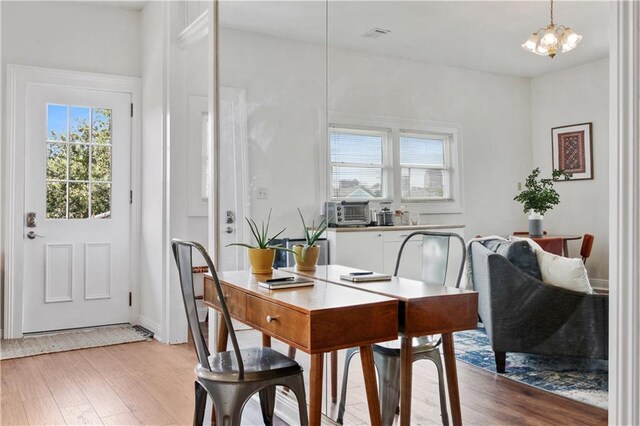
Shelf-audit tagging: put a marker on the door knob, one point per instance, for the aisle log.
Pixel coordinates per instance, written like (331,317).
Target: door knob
(32,235)
(229,230)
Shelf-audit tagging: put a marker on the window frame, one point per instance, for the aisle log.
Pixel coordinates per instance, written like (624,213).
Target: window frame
(384,166)
(447,167)
(90,145)
(396,126)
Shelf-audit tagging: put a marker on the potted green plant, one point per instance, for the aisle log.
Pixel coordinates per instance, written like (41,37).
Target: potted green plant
(306,255)
(538,197)
(262,254)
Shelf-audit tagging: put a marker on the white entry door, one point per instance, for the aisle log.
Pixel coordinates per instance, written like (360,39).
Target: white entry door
(77,189)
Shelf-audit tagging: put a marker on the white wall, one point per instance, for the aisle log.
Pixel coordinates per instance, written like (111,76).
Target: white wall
(572,96)
(170,74)
(152,250)
(285,83)
(71,35)
(67,35)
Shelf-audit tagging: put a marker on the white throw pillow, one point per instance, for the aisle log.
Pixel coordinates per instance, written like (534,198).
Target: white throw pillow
(564,272)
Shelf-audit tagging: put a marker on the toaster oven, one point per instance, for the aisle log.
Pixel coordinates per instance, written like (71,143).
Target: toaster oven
(347,213)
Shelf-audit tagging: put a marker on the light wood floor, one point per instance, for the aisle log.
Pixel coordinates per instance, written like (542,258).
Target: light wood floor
(152,383)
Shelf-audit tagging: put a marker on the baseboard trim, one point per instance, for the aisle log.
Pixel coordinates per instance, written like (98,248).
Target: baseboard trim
(287,410)
(150,325)
(599,284)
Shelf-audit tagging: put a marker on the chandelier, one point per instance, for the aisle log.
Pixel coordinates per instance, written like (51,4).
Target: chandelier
(547,41)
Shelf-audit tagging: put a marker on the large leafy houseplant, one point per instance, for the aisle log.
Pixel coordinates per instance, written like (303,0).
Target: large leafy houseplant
(539,194)
(307,254)
(538,197)
(262,254)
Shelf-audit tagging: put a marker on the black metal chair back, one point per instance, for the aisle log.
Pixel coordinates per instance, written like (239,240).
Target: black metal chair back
(435,256)
(183,254)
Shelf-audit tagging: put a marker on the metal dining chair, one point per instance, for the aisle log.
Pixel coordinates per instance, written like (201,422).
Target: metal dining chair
(386,356)
(230,378)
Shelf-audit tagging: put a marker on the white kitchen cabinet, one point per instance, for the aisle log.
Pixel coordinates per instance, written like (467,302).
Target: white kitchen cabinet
(376,249)
(362,250)
(411,264)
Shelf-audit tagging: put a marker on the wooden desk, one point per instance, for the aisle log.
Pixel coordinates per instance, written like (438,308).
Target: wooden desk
(307,318)
(424,309)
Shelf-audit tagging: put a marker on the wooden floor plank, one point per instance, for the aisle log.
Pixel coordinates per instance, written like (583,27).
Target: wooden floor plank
(103,398)
(12,412)
(30,381)
(43,411)
(64,389)
(81,415)
(121,419)
(149,416)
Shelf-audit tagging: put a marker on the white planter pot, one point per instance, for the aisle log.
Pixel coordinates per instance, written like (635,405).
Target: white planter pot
(535,224)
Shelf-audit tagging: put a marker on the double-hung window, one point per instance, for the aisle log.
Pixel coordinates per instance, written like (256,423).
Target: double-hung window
(357,163)
(425,168)
(404,161)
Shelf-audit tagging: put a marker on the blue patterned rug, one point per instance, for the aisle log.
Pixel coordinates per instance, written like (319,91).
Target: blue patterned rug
(581,379)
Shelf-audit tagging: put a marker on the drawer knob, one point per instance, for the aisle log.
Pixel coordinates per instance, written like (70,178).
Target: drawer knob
(271,319)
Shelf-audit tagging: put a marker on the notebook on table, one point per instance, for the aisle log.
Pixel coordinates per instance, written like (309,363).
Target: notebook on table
(285,282)
(365,276)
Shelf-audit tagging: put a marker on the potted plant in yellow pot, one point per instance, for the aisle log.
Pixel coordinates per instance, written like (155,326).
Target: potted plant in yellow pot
(307,254)
(262,254)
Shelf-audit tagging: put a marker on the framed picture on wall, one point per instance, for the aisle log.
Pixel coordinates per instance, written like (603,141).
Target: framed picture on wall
(572,151)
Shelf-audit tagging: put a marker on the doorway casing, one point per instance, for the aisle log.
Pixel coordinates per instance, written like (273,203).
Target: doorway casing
(18,79)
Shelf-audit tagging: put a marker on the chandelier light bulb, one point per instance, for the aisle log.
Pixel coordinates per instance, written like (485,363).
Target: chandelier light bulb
(531,43)
(571,40)
(549,38)
(548,41)
(541,50)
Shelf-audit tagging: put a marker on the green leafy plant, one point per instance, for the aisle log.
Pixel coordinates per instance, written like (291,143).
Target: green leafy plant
(261,235)
(313,233)
(539,194)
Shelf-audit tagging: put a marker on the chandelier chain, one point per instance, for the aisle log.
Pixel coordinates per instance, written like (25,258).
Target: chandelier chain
(551,13)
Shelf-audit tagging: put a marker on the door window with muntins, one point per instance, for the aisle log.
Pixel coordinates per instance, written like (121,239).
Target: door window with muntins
(79,169)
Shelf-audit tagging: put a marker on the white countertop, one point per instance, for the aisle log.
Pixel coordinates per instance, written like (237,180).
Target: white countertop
(393,228)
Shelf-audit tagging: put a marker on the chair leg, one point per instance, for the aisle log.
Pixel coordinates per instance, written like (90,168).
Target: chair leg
(291,353)
(297,386)
(200,404)
(501,361)
(437,360)
(267,404)
(345,376)
(389,384)
(228,405)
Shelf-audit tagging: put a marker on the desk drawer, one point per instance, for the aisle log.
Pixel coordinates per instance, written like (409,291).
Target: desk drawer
(278,320)
(236,300)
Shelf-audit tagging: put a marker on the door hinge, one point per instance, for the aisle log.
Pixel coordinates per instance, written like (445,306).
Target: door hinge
(132,109)
(131,197)
(130,298)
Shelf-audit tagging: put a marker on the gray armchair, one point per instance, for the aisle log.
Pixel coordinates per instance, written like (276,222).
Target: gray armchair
(522,314)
